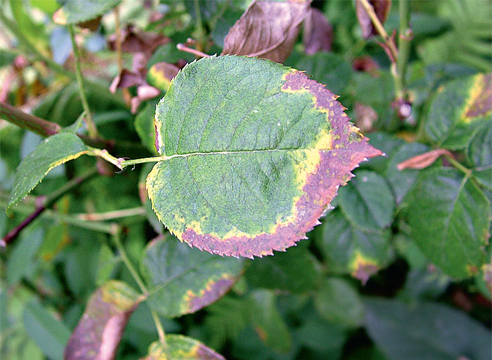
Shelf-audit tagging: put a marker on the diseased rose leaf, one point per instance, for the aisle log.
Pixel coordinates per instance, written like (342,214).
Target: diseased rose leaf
(181,348)
(251,157)
(161,74)
(381,9)
(267,29)
(53,151)
(458,110)
(183,280)
(101,327)
(349,249)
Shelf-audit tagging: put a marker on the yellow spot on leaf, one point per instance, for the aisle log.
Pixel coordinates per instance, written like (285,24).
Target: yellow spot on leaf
(479,103)
(363,267)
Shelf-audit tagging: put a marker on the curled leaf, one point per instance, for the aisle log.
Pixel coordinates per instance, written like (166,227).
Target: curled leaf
(423,160)
(267,29)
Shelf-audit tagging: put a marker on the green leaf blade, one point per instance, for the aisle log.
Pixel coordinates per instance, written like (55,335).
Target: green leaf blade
(53,151)
(77,11)
(449,218)
(246,128)
(183,280)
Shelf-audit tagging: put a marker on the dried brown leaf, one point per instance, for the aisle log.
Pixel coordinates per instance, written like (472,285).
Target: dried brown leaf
(99,332)
(423,160)
(267,29)
(125,79)
(318,33)
(381,8)
(135,41)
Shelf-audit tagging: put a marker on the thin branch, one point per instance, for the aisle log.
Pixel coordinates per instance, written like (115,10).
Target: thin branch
(28,122)
(111,215)
(195,52)
(404,41)
(91,127)
(380,28)
(128,263)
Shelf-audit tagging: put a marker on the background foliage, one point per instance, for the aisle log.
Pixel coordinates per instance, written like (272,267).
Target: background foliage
(400,268)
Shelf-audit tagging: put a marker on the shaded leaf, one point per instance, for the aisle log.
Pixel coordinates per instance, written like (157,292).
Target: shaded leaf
(50,334)
(267,29)
(76,11)
(226,319)
(381,9)
(183,280)
(327,68)
(295,271)
(348,249)
(321,335)
(458,109)
(402,181)
(425,331)
(318,33)
(480,149)
(53,151)
(449,218)
(181,348)
(144,125)
(244,129)
(423,160)
(367,201)
(99,332)
(267,322)
(21,261)
(338,302)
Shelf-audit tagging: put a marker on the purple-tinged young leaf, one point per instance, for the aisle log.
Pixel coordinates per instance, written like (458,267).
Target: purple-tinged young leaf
(267,29)
(99,332)
(253,154)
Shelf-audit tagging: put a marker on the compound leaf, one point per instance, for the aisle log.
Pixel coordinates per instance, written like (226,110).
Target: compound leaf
(53,151)
(252,155)
(184,280)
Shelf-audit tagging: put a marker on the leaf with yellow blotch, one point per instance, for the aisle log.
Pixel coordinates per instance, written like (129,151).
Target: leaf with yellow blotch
(251,156)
